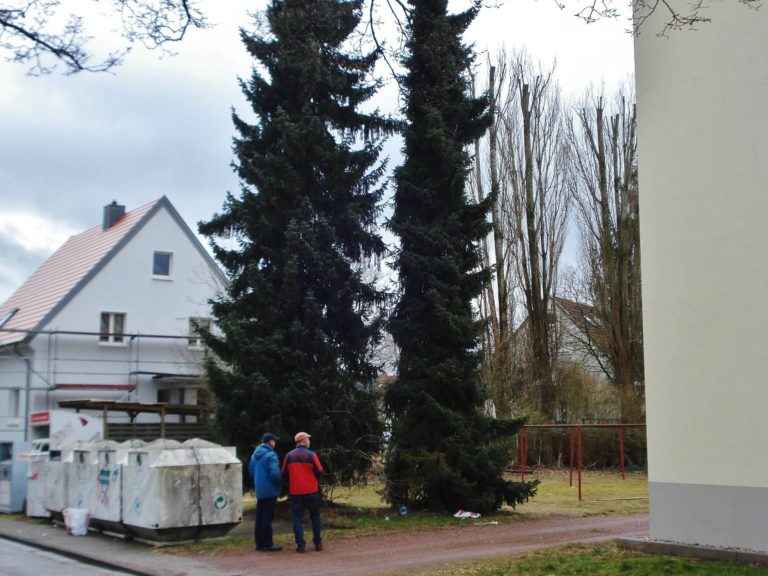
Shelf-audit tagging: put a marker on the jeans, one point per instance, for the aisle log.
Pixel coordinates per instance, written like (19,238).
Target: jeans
(312,503)
(262,530)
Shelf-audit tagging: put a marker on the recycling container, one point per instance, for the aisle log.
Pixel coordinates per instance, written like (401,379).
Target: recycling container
(160,492)
(13,477)
(80,474)
(55,483)
(105,505)
(221,487)
(37,461)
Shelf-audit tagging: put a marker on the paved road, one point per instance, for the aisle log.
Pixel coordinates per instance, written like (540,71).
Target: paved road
(20,560)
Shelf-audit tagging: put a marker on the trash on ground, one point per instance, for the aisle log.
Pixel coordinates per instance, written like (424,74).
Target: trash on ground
(76,521)
(464,514)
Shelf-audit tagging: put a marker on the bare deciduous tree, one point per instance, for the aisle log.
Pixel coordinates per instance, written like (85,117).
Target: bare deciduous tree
(604,160)
(534,180)
(498,371)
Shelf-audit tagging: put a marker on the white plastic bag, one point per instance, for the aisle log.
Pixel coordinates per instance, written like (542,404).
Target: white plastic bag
(76,521)
(464,514)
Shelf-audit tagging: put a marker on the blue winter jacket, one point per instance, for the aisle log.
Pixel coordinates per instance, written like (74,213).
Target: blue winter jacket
(265,471)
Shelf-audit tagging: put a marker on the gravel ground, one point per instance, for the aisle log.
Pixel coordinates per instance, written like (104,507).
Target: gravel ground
(428,548)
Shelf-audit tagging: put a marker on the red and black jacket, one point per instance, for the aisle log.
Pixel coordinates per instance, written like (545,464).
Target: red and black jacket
(303,469)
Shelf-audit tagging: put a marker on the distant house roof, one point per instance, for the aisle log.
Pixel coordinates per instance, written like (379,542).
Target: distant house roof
(583,316)
(72,266)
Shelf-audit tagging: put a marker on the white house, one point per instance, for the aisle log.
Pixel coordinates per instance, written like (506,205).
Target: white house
(581,337)
(110,315)
(577,338)
(702,101)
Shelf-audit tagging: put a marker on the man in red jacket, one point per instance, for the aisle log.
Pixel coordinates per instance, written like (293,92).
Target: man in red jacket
(303,469)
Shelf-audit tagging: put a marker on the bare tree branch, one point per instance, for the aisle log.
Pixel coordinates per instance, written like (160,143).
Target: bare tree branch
(672,17)
(30,32)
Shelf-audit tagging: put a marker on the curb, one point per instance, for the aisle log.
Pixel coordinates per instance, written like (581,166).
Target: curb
(83,558)
(695,551)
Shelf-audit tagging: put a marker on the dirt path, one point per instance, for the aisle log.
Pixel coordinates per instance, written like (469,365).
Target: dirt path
(386,553)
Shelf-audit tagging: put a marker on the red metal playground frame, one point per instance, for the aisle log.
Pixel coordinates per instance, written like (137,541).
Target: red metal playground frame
(522,441)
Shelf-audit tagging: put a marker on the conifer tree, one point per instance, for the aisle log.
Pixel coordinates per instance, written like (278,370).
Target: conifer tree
(301,316)
(443,452)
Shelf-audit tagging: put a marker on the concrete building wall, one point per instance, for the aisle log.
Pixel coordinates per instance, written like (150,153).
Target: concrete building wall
(703,120)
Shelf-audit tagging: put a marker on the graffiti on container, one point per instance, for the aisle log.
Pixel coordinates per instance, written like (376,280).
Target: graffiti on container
(104,480)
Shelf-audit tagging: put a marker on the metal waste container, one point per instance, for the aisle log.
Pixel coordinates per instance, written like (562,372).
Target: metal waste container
(221,487)
(79,471)
(160,492)
(181,492)
(55,483)
(13,477)
(37,462)
(104,508)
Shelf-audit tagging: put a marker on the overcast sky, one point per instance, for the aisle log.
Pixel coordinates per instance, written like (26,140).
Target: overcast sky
(162,126)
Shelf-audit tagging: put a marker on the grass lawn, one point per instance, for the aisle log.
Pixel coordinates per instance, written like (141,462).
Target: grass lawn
(602,493)
(360,511)
(591,560)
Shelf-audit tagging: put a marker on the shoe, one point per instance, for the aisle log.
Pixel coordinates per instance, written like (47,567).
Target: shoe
(273,548)
(319,547)
(300,549)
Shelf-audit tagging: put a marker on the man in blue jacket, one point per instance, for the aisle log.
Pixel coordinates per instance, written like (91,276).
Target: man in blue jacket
(265,471)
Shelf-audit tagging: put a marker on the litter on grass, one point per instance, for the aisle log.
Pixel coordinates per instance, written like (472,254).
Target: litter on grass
(464,514)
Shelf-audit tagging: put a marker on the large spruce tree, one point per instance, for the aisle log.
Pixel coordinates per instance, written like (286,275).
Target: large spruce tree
(301,315)
(443,452)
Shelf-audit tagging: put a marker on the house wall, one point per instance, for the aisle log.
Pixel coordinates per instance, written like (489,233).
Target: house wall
(13,374)
(152,307)
(572,348)
(702,103)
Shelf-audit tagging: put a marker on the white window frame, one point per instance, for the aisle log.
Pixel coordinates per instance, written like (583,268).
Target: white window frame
(194,342)
(168,276)
(113,338)
(11,408)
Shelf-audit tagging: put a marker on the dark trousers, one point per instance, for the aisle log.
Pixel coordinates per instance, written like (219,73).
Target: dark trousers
(312,503)
(262,530)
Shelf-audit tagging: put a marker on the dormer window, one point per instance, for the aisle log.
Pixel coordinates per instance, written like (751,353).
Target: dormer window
(162,265)
(7,316)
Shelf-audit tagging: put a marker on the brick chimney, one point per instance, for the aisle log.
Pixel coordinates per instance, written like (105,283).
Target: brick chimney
(112,213)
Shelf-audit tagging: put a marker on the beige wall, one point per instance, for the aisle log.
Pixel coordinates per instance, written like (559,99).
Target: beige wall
(703,145)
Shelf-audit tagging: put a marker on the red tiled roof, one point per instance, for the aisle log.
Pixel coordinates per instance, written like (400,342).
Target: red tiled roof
(62,272)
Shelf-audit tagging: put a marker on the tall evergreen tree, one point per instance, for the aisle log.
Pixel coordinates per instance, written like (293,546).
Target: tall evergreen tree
(300,317)
(444,452)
